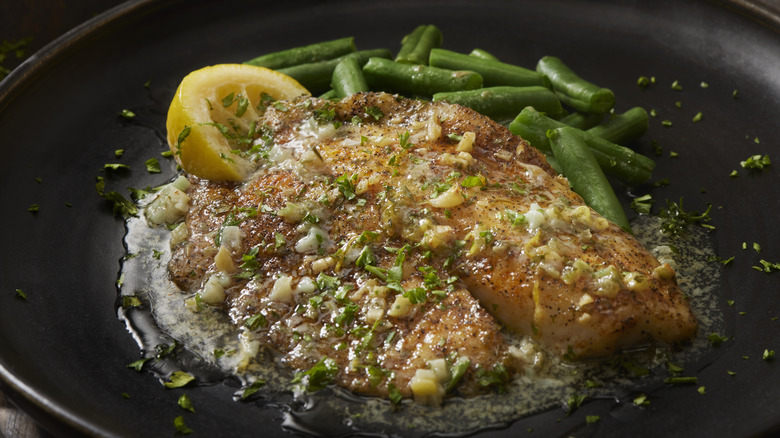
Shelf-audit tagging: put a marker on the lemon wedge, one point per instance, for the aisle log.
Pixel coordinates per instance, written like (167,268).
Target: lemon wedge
(213,117)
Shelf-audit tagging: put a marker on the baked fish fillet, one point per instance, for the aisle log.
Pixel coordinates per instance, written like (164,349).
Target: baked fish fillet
(389,242)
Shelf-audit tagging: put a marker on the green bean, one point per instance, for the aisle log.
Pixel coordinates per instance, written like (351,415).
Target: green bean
(504,103)
(483,54)
(409,42)
(316,76)
(585,175)
(417,80)
(581,120)
(494,73)
(573,90)
(624,128)
(617,161)
(329,95)
(348,78)
(306,54)
(416,46)
(554,163)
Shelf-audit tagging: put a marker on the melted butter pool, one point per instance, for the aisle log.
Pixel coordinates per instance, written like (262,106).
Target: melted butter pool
(210,343)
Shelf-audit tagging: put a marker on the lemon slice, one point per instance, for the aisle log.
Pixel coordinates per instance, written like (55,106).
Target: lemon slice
(214,113)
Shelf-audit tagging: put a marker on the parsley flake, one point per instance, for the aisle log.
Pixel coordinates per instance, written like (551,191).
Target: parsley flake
(179,379)
(642,204)
(319,376)
(21,295)
(767,267)
(675,218)
(252,389)
(641,400)
(181,428)
(127,114)
(139,364)
(185,403)
(756,162)
(374,112)
(115,166)
(403,140)
(716,339)
(152,165)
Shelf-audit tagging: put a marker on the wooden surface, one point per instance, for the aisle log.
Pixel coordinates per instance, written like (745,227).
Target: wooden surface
(15,423)
(42,21)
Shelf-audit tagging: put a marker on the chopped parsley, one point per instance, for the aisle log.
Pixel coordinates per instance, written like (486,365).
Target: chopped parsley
(115,166)
(21,295)
(181,137)
(403,140)
(473,181)
(34,208)
(129,301)
(642,204)
(255,322)
(716,339)
(675,219)
(120,204)
(181,428)
(767,266)
(457,371)
(139,364)
(717,259)
(185,403)
(756,162)
(152,165)
(127,114)
(374,112)
(497,377)
(252,389)
(322,374)
(574,402)
(641,400)
(346,186)
(394,394)
(179,379)
(681,380)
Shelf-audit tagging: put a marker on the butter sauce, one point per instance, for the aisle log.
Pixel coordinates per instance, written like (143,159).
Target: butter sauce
(212,345)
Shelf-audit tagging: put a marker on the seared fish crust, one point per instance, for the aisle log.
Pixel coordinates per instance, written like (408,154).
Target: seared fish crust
(390,241)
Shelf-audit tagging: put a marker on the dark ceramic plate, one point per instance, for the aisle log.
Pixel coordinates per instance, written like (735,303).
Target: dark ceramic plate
(63,353)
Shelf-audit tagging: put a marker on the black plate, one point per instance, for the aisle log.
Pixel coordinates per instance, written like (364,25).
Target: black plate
(63,353)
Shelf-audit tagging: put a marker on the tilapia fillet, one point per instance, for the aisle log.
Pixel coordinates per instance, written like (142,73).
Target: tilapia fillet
(392,245)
